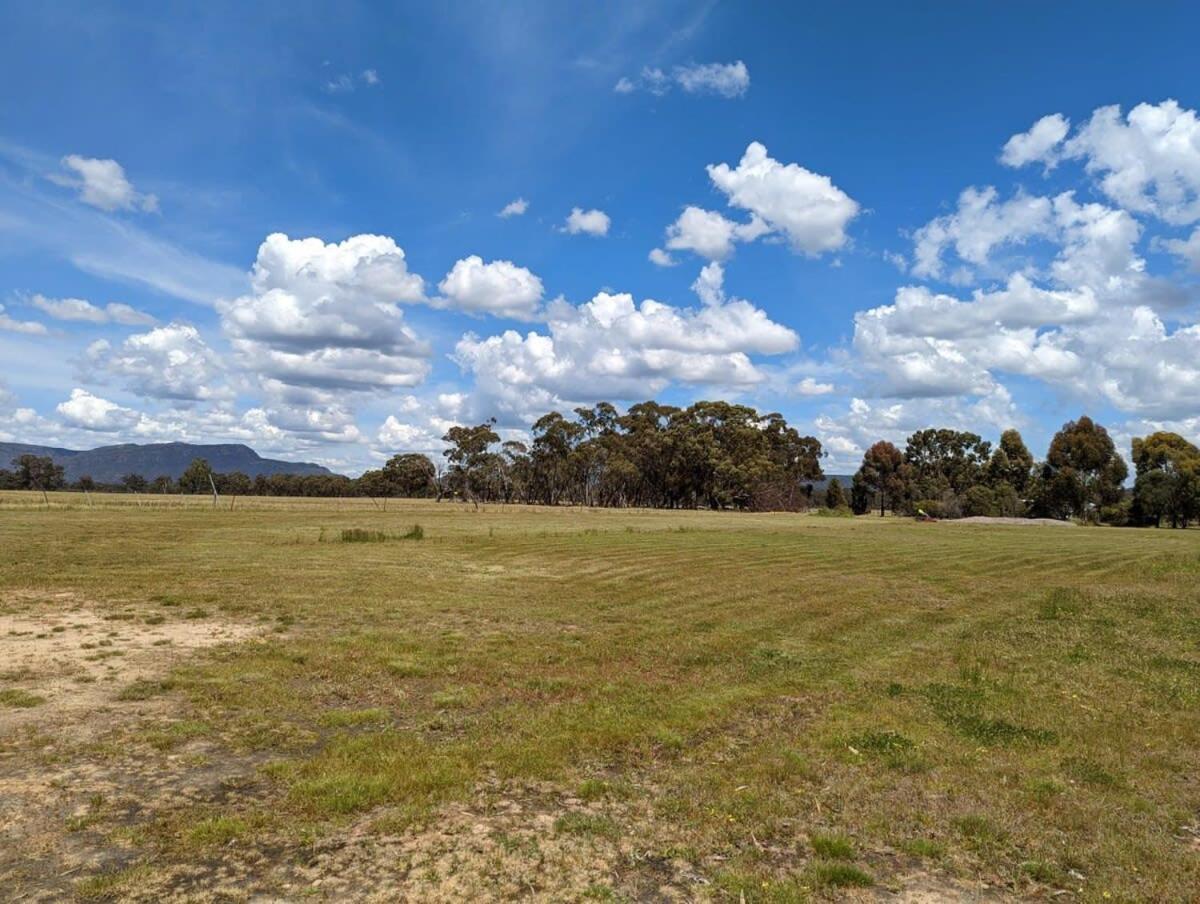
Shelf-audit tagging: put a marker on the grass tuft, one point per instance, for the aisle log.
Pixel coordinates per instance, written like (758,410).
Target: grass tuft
(19,699)
(217,830)
(832,847)
(837,874)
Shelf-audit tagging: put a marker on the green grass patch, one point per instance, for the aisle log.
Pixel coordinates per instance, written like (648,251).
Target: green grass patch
(837,874)
(110,885)
(925,848)
(19,699)
(217,830)
(348,718)
(145,689)
(961,710)
(832,847)
(587,824)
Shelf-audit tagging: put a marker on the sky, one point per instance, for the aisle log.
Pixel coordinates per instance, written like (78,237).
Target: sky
(331,231)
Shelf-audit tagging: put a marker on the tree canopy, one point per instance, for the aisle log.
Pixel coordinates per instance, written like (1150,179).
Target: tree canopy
(1168,479)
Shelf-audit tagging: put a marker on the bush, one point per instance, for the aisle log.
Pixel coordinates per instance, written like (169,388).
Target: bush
(1118,515)
(842,511)
(935,508)
(980,500)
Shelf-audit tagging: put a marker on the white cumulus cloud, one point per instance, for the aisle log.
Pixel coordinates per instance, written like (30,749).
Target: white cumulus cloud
(514,209)
(91,412)
(804,206)
(611,347)
(661,258)
(499,287)
(170,362)
(709,234)
(1147,161)
(590,222)
(327,316)
(1039,144)
(1187,250)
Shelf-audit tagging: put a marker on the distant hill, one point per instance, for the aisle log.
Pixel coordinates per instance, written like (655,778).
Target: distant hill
(108,464)
(844,479)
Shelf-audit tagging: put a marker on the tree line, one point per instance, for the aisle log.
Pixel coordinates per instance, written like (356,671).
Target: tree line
(946,473)
(720,455)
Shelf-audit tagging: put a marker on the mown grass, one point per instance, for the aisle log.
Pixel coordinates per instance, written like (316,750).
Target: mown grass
(1017,705)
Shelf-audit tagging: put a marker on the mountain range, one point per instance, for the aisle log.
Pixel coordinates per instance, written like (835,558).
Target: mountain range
(108,464)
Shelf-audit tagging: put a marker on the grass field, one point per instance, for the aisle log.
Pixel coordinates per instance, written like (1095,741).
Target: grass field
(569,704)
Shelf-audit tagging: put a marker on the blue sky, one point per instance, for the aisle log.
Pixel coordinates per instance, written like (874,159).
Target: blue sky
(871,218)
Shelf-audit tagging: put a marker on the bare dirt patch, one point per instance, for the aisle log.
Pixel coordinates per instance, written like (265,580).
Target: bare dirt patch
(76,682)
(76,663)
(529,841)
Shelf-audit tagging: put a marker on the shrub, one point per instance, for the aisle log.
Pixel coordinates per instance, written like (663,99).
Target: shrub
(980,500)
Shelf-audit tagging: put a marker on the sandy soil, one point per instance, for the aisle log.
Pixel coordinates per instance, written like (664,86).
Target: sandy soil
(74,663)
(78,660)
